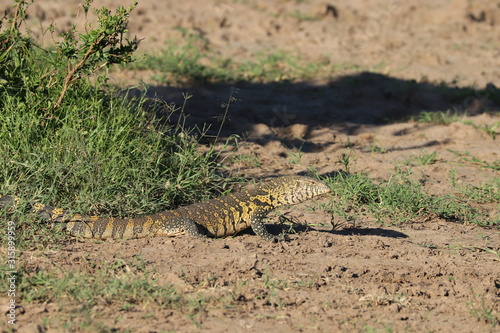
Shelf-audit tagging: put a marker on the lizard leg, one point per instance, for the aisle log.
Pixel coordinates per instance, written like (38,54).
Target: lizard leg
(260,229)
(188,225)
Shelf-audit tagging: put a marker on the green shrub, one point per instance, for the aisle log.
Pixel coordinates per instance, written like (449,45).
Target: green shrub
(74,142)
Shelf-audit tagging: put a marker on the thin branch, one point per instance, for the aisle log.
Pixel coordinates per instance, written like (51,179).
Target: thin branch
(70,77)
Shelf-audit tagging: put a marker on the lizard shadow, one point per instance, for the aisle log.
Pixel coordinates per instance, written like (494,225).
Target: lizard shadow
(382,232)
(277,229)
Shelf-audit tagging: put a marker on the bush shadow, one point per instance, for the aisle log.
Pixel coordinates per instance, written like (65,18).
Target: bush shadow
(287,111)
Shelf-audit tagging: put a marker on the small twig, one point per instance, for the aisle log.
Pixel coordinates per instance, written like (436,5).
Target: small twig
(70,77)
(16,15)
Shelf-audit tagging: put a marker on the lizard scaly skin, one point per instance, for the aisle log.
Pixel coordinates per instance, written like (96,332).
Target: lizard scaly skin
(218,217)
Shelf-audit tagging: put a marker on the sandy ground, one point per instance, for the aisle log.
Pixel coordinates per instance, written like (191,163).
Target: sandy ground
(396,58)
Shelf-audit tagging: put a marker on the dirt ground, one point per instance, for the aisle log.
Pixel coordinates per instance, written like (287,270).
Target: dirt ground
(396,58)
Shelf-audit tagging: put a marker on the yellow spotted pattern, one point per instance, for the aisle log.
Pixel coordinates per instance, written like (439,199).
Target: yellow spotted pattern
(218,217)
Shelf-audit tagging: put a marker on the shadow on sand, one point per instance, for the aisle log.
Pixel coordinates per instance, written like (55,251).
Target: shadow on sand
(346,103)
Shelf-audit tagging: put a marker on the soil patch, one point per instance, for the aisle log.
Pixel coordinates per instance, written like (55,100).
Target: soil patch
(395,59)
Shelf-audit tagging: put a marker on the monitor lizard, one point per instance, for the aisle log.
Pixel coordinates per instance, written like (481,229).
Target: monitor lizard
(219,217)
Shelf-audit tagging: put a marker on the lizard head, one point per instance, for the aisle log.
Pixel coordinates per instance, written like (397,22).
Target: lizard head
(289,190)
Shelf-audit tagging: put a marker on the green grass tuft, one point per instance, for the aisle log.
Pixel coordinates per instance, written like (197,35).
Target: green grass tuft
(93,151)
(401,199)
(193,59)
